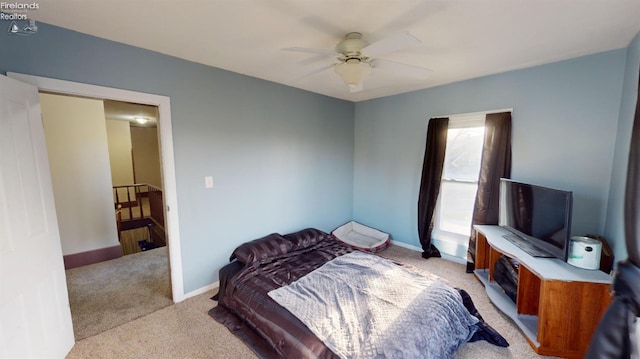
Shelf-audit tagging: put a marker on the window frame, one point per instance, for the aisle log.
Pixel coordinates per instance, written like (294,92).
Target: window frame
(451,238)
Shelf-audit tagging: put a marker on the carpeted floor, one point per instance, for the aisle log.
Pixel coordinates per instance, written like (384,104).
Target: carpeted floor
(105,295)
(185,330)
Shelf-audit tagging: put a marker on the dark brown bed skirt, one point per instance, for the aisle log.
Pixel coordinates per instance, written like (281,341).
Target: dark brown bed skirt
(250,338)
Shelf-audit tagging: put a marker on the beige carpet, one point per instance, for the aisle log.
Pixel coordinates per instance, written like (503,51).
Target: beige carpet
(185,330)
(108,294)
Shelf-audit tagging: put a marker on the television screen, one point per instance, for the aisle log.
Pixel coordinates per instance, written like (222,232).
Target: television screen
(541,216)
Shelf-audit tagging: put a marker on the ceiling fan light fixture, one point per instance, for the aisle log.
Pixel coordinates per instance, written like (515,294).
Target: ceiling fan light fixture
(353,72)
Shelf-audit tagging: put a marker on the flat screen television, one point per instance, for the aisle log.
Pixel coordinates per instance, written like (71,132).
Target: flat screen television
(536,216)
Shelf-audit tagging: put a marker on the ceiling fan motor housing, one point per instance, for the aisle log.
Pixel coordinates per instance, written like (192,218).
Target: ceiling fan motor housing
(351,46)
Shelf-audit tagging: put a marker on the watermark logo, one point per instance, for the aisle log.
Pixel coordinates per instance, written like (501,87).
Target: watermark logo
(16,14)
(29,29)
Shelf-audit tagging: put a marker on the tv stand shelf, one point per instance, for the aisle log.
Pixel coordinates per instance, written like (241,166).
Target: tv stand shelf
(558,306)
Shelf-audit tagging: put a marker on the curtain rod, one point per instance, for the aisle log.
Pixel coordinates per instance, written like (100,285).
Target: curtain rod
(476,113)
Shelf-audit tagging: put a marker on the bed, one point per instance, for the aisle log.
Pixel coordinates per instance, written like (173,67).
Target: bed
(266,270)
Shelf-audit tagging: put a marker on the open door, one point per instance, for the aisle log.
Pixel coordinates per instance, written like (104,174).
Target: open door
(35,320)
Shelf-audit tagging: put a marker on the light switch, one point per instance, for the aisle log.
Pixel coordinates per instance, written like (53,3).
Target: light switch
(208,182)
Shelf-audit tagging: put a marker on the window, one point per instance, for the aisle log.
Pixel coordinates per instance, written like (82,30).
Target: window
(454,209)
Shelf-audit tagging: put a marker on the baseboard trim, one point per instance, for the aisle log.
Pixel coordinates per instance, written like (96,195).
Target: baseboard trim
(204,289)
(407,246)
(91,257)
(418,249)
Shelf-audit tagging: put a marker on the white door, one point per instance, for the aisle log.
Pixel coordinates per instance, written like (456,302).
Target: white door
(35,319)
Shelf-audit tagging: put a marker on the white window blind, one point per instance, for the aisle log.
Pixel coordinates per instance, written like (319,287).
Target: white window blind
(454,208)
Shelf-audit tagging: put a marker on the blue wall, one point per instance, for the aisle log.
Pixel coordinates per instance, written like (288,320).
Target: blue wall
(281,158)
(565,119)
(615,212)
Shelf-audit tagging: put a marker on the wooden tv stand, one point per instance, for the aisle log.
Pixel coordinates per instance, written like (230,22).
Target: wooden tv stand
(558,306)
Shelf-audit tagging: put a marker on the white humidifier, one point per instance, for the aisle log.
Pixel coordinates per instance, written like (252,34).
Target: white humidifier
(585,252)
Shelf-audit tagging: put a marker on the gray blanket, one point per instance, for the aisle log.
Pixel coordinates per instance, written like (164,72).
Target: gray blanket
(364,306)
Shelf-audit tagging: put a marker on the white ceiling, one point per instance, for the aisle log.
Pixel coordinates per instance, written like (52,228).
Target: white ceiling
(461,39)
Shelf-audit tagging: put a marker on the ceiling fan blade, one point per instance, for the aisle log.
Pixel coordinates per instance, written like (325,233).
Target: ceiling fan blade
(314,72)
(311,51)
(399,68)
(324,26)
(392,43)
(311,60)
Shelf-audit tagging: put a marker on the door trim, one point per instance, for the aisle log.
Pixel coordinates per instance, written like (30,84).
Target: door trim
(166,153)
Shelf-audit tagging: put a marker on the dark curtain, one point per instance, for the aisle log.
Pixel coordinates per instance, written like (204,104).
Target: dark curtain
(496,164)
(616,335)
(430,182)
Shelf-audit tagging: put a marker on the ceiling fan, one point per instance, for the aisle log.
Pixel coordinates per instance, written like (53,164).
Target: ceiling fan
(357,58)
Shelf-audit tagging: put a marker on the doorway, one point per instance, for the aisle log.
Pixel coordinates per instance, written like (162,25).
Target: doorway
(90,151)
(134,156)
(163,104)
